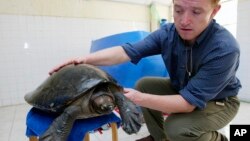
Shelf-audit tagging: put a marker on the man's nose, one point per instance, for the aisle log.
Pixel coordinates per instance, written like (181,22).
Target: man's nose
(185,19)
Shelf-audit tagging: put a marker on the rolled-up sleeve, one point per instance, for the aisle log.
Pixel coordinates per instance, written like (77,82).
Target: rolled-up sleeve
(150,45)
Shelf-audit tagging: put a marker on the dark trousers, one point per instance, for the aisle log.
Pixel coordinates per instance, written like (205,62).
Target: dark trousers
(199,125)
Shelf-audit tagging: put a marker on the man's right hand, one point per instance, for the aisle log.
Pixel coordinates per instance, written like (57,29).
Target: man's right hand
(79,60)
(105,57)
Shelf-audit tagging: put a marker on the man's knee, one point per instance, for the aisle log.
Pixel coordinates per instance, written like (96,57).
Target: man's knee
(142,83)
(176,132)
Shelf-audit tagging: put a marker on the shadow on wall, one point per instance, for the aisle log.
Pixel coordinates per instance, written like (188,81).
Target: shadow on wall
(127,73)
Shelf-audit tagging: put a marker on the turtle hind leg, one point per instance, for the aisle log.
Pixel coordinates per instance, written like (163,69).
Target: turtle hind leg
(60,128)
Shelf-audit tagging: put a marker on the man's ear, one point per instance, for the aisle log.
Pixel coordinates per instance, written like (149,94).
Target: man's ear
(215,10)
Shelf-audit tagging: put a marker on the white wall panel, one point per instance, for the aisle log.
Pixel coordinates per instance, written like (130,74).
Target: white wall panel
(32,45)
(243,36)
(227,15)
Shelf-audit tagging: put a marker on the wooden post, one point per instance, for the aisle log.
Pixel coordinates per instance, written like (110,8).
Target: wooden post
(86,138)
(114,131)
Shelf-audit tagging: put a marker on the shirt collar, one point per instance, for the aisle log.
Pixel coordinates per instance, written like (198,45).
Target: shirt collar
(205,33)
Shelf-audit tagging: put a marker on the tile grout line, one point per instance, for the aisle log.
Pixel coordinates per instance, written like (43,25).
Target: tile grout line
(12,124)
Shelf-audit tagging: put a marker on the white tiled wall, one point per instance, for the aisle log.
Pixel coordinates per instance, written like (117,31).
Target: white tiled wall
(32,45)
(243,36)
(234,15)
(227,15)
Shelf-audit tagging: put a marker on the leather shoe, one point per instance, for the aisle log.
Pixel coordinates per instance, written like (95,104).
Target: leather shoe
(148,138)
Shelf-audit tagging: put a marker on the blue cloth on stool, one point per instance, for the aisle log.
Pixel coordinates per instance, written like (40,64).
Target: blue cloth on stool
(38,122)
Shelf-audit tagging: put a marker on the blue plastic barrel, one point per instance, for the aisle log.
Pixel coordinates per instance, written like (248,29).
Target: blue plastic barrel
(127,73)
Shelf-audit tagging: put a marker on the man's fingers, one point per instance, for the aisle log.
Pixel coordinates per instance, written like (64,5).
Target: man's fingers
(75,61)
(57,68)
(126,90)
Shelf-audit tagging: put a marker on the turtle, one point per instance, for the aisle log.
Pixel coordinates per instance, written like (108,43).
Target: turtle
(78,92)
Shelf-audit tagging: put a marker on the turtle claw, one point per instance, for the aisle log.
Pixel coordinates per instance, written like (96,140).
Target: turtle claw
(132,123)
(131,119)
(131,128)
(130,115)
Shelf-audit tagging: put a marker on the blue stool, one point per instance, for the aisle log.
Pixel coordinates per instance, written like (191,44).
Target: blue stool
(38,122)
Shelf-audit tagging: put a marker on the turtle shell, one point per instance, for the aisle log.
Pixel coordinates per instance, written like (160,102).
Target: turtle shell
(66,85)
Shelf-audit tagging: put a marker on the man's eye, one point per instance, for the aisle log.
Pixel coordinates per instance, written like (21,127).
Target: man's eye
(196,12)
(178,11)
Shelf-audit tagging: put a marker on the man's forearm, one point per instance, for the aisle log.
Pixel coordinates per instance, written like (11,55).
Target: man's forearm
(110,56)
(167,104)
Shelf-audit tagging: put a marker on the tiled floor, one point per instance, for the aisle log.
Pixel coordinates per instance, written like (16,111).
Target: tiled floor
(12,124)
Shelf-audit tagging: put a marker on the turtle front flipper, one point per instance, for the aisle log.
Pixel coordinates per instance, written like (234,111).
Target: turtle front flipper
(60,128)
(131,117)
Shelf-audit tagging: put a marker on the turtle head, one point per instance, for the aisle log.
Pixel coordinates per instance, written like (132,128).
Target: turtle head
(102,101)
